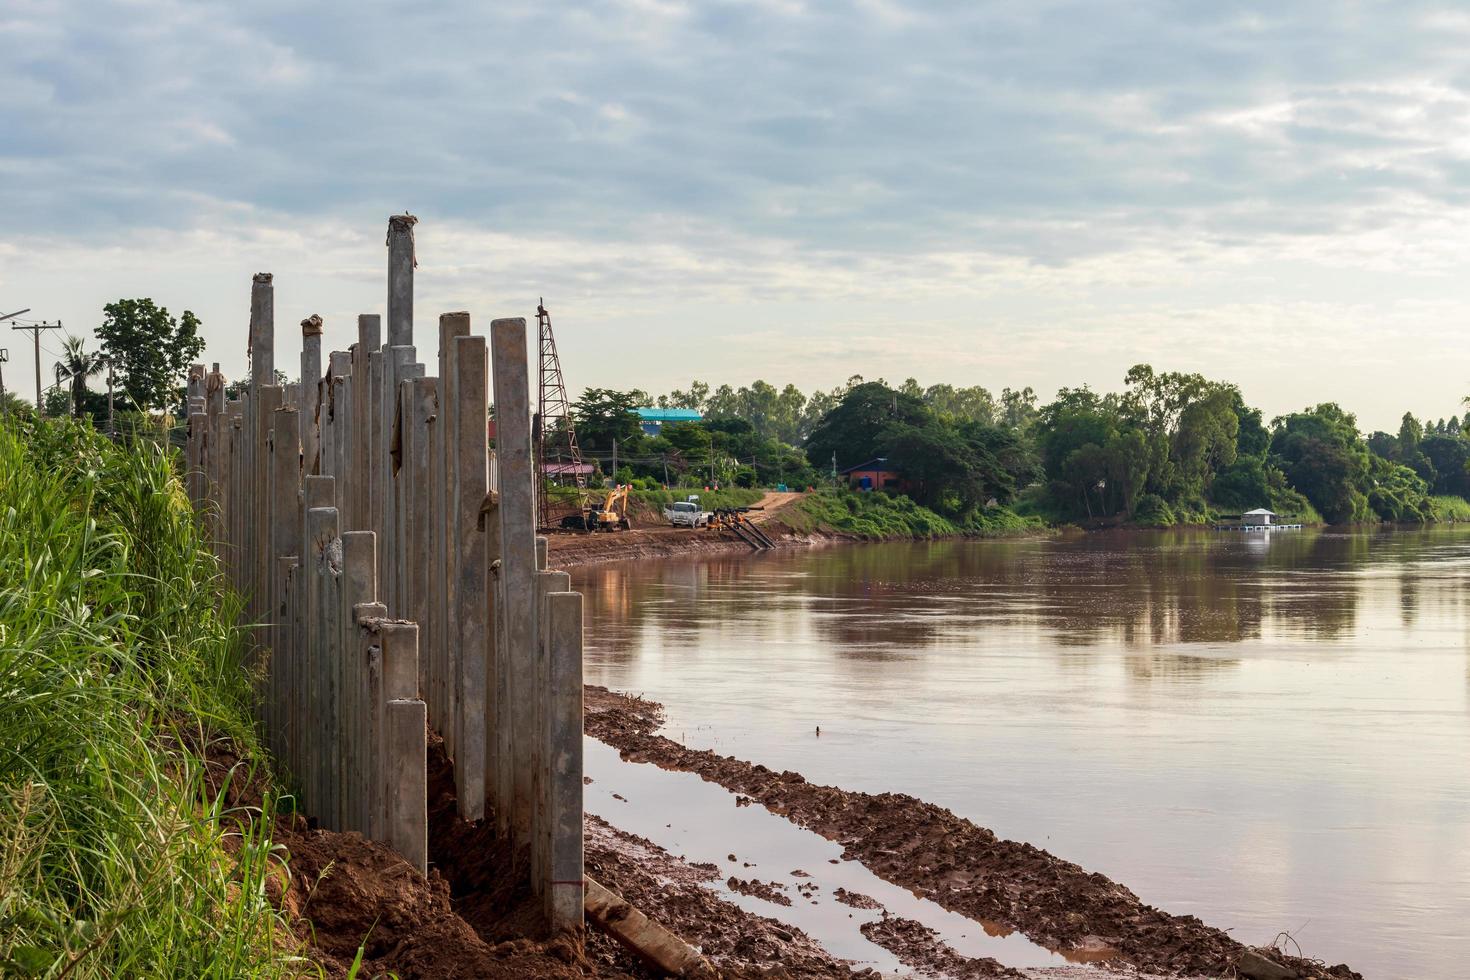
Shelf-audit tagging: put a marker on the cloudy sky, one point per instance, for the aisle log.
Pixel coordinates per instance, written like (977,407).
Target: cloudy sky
(1026,193)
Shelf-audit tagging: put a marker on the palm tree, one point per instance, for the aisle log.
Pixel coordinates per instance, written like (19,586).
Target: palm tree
(77,365)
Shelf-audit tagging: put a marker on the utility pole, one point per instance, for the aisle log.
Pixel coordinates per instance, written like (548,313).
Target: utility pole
(111,428)
(35,330)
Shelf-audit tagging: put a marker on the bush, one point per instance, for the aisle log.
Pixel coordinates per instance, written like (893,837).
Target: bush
(1152,511)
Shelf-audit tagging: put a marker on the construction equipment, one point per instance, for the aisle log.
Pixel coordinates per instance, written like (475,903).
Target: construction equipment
(608,514)
(558,457)
(733,519)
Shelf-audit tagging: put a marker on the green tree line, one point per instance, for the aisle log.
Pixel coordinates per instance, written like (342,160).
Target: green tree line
(1167,448)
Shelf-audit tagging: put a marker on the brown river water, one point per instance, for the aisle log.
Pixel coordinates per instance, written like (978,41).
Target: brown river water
(1271,732)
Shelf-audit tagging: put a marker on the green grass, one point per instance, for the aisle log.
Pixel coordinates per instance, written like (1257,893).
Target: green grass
(878,516)
(118,650)
(708,499)
(1449,509)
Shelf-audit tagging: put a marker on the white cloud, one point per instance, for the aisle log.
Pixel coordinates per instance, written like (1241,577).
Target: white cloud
(1040,189)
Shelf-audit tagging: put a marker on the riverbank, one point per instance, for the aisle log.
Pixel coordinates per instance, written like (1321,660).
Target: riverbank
(790,520)
(953,862)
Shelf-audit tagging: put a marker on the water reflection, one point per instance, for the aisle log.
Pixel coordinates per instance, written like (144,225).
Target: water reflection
(1256,729)
(1131,591)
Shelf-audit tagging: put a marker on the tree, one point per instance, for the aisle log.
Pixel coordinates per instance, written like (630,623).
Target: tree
(1018,409)
(77,364)
(943,468)
(1449,457)
(1411,433)
(234,389)
(1252,438)
(150,350)
(603,415)
(693,398)
(1382,444)
(853,428)
(1396,493)
(973,404)
(1245,485)
(1322,455)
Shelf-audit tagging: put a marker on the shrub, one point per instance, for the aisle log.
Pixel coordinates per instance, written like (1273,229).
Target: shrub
(1152,511)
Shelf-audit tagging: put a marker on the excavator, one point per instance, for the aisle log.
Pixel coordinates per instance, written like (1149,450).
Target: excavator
(608,514)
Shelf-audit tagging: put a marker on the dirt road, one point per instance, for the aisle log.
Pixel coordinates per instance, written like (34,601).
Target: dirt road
(651,537)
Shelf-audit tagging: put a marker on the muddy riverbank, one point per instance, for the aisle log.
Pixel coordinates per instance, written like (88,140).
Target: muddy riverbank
(339,892)
(575,549)
(953,862)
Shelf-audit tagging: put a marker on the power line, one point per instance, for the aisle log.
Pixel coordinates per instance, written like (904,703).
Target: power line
(35,330)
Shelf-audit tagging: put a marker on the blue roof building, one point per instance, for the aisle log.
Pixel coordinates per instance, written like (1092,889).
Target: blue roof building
(651,420)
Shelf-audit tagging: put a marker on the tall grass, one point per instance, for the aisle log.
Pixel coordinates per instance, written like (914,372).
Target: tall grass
(118,659)
(1450,509)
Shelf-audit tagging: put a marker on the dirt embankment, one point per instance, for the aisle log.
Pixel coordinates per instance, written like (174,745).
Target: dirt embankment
(652,537)
(943,857)
(340,891)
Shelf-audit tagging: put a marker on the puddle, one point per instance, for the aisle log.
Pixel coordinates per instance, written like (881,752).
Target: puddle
(699,821)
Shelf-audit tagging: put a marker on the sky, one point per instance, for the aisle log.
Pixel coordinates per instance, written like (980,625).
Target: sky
(1007,194)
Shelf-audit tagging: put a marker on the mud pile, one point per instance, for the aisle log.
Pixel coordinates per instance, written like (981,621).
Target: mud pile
(674,893)
(569,550)
(947,859)
(343,892)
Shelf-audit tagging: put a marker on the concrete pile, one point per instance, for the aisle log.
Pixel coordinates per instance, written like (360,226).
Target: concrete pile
(393,579)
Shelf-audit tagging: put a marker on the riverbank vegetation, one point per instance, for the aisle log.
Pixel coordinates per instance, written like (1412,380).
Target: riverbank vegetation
(1167,449)
(120,661)
(879,516)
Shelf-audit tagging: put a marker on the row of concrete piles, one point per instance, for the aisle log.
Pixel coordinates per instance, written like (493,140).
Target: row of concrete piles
(394,582)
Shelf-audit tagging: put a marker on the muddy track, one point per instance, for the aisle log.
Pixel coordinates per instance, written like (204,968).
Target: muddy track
(940,856)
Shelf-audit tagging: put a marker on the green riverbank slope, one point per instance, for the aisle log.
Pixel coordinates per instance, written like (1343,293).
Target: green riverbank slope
(119,660)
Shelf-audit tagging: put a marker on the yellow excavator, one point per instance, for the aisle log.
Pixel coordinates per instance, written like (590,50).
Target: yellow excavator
(608,514)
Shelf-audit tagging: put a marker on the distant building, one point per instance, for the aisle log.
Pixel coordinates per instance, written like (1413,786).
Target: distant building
(1260,517)
(651,420)
(875,474)
(573,470)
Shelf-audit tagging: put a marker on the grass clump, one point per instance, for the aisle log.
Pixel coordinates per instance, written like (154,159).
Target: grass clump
(118,659)
(1449,509)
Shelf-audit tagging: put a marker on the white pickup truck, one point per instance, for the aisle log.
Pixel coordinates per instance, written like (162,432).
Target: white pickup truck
(687,513)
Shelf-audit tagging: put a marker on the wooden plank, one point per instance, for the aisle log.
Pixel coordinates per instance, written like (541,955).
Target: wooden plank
(660,949)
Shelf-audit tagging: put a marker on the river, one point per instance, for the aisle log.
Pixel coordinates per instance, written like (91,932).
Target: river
(1271,732)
